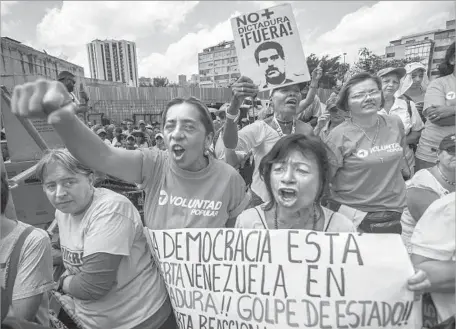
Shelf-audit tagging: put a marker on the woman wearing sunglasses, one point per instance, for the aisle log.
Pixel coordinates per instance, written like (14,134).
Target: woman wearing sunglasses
(368,160)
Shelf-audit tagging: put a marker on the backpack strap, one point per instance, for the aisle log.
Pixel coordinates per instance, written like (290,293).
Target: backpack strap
(11,270)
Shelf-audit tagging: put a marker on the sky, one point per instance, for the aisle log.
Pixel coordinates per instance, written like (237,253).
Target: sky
(169,35)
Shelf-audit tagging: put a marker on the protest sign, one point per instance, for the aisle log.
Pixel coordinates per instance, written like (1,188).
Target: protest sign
(228,278)
(268,47)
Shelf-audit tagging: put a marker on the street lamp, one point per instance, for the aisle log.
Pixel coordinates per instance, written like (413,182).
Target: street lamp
(344,58)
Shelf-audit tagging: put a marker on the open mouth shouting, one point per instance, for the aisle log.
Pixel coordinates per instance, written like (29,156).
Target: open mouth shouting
(287,196)
(291,101)
(178,151)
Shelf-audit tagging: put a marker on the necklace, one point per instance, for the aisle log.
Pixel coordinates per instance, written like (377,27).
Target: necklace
(279,129)
(276,222)
(285,123)
(444,177)
(365,134)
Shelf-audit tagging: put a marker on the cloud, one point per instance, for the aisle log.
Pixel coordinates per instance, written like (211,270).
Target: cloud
(6,7)
(181,57)
(75,24)
(375,26)
(68,29)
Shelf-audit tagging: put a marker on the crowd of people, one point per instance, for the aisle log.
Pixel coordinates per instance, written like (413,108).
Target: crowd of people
(378,157)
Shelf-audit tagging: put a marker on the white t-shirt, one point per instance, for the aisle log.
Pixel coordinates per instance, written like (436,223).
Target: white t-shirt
(434,237)
(34,275)
(423,179)
(413,123)
(113,225)
(334,222)
(260,138)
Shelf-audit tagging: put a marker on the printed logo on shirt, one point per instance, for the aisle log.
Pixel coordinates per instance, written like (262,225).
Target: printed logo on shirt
(208,208)
(72,257)
(394,147)
(451,95)
(362,153)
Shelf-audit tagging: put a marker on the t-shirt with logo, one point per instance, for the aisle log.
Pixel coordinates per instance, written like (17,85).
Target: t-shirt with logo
(368,178)
(113,225)
(176,198)
(440,92)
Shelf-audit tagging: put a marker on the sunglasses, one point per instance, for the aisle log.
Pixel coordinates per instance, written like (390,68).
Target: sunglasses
(266,59)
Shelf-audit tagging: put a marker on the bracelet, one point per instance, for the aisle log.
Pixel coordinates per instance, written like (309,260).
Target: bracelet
(232,116)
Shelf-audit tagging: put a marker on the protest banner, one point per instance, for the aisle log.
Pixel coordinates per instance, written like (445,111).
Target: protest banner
(268,47)
(228,278)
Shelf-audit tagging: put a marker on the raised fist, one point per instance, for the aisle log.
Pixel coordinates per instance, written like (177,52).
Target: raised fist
(44,99)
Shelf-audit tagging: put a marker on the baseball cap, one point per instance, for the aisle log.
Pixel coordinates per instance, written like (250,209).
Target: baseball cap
(137,133)
(130,137)
(159,135)
(400,71)
(101,130)
(410,67)
(149,127)
(448,144)
(142,122)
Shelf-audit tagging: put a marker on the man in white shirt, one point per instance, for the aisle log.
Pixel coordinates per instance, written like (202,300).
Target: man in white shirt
(433,251)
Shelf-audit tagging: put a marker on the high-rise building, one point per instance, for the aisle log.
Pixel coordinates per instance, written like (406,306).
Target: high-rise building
(113,60)
(218,65)
(430,46)
(195,79)
(182,80)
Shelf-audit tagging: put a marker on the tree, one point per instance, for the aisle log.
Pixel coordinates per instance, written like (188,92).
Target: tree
(369,62)
(160,82)
(333,70)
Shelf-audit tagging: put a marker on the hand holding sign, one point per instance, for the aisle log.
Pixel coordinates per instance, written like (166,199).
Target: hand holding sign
(242,88)
(42,98)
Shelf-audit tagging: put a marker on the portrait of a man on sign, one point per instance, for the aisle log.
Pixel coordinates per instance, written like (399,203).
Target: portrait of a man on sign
(270,58)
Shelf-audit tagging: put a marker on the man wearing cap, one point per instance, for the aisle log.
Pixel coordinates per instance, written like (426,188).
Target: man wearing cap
(147,135)
(160,142)
(102,134)
(404,109)
(329,120)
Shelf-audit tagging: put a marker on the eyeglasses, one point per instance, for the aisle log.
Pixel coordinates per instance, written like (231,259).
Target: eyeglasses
(363,96)
(266,59)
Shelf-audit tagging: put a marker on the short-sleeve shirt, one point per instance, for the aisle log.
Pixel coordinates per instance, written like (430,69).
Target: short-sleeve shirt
(368,178)
(414,123)
(334,222)
(434,238)
(113,225)
(259,137)
(176,198)
(34,273)
(423,179)
(440,92)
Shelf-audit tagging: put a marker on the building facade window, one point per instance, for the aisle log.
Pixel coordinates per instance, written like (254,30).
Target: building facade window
(441,48)
(390,54)
(422,50)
